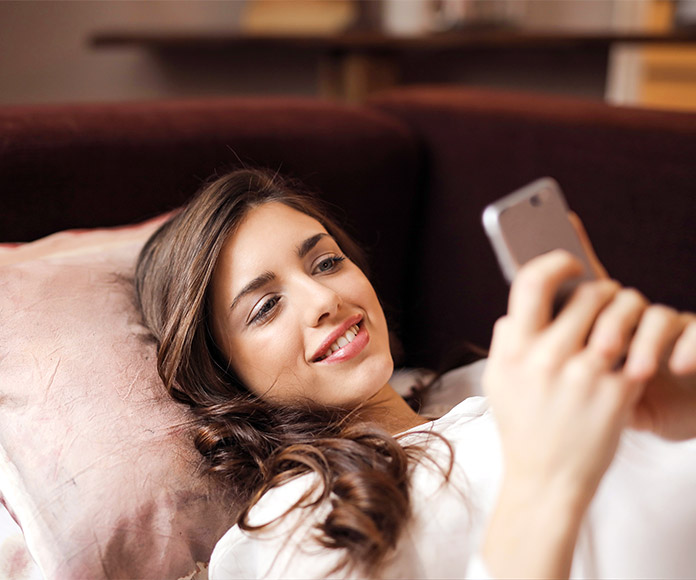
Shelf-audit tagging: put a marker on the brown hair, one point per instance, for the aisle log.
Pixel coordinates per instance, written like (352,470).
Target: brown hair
(248,443)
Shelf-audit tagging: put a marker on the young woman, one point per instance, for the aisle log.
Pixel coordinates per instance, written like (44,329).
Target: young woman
(269,330)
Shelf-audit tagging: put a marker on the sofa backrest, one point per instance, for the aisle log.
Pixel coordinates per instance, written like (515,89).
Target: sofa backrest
(630,175)
(81,166)
(411,172)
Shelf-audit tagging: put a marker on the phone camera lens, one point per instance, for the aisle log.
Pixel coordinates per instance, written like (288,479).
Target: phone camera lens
(535,200)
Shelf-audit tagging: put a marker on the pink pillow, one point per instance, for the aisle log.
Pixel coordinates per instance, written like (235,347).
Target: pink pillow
(95,464)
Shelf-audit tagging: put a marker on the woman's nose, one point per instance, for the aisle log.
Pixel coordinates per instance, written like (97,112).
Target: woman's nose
(318,301)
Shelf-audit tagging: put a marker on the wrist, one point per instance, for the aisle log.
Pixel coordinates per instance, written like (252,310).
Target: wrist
(533,530)
(551,493)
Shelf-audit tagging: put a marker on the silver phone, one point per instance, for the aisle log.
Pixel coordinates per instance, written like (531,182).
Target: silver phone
(531,221)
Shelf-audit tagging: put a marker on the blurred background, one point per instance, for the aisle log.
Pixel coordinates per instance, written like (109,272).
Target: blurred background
(633,52)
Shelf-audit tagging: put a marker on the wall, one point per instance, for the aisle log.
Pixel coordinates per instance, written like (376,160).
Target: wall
(45,55)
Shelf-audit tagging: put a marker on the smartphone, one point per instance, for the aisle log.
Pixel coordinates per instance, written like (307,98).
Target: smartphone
(532,221)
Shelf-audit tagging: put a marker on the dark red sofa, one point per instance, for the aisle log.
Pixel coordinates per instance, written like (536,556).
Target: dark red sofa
(410,171)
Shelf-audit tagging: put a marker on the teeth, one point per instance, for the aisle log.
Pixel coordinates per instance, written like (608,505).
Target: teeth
(342,341)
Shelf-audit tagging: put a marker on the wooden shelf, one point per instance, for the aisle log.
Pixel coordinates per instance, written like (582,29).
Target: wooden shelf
(351,65)
(380,42)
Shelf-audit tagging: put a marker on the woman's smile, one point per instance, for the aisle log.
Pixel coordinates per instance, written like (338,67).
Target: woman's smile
(345,343)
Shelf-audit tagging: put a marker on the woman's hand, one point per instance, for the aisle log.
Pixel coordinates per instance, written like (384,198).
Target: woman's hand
(560,404)
(663,353)
(559,400)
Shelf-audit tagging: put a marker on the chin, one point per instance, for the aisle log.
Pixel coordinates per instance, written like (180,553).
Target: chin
(372,379)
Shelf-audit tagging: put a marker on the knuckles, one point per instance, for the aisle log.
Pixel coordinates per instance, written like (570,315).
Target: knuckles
(660,313)
(597,291)
(634,296)
(610,345)
(583,367)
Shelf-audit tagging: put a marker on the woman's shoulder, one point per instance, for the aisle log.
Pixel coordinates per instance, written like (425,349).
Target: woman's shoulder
(466,438)
(277,549)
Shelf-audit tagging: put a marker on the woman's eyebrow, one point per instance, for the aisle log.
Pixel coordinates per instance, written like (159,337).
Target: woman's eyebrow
(305,247)
(255,284)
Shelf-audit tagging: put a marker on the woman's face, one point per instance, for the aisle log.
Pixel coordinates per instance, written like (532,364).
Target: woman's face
(296,319)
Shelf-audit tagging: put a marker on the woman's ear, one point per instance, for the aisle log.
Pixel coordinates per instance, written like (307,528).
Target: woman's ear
(597,266)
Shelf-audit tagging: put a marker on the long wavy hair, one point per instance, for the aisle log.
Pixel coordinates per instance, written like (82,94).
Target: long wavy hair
(247,442)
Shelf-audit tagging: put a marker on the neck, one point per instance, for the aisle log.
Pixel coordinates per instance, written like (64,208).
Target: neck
(389,410)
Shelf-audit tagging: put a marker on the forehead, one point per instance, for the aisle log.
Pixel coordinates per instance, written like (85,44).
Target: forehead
(275,222)
(265,236)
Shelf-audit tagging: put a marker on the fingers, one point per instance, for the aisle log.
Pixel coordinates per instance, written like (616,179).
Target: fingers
(569,332)
(610,322)
(613,391)
(683,359)
(599,304)
(533,290)
(615,326)
(655,338)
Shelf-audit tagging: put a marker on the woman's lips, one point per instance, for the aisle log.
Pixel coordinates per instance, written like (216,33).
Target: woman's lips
(350,350)
(326,346)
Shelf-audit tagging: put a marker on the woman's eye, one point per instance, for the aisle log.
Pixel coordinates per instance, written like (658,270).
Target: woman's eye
(266,309)
(328,264)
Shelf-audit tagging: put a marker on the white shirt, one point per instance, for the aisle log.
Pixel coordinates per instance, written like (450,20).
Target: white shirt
(641,523)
